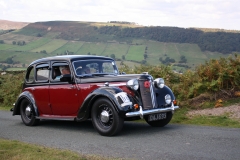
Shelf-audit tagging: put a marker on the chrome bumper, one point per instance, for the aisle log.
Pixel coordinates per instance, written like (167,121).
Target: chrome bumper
(142,113)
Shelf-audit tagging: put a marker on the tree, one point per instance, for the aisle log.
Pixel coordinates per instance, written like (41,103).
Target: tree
(123,57)
(183,59)
(144,62)
(39,35)
(43,51)
(145,56)
(14,42)
(19,43)
(9,61)
(112,56)
(1,41)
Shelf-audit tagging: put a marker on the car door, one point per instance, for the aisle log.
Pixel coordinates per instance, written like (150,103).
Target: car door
(63,95)
(37,81)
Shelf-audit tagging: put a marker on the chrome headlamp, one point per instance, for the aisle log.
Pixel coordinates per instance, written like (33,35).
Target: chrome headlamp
(168,99)
(159,83)
(133,84)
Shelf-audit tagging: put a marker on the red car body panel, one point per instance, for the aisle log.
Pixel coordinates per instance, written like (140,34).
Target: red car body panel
(64,99)
(41,96)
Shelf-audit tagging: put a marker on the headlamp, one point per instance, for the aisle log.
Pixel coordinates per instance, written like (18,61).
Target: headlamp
(133,84)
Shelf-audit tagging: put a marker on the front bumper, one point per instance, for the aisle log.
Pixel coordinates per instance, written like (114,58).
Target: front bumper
(142,113)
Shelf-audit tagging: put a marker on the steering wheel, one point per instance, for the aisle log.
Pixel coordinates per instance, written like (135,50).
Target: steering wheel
(78,70)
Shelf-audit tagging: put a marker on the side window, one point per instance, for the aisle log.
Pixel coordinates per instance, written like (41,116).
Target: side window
(42,72)
(58,69)
(30,75)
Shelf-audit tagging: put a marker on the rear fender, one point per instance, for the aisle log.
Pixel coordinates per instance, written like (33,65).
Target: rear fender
(25,95)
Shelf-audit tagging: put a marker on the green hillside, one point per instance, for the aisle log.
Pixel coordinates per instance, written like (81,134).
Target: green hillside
(59,38)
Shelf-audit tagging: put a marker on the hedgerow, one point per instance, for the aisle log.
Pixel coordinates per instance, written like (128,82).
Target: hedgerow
(10,87)
(212,80)
(217,78)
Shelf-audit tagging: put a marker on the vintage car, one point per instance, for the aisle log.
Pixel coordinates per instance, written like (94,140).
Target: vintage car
(82,87)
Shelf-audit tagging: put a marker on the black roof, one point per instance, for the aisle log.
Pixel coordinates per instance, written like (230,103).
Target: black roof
(71,58)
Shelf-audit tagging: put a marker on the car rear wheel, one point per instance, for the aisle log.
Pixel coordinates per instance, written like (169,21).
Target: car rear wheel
(27,113)
(160,123)
(105,118)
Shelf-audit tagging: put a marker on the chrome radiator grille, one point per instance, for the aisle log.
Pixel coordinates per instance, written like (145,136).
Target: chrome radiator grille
(148,95)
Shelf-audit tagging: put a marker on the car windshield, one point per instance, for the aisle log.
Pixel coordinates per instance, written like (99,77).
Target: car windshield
(94,67)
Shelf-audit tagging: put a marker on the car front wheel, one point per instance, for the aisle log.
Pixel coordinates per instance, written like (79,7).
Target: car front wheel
(105,118)
(160,123)
(26,111)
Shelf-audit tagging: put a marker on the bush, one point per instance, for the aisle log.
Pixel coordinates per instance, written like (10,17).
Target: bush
(10,88)
(213,77)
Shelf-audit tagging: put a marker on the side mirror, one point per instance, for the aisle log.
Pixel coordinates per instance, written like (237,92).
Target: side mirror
(66,78)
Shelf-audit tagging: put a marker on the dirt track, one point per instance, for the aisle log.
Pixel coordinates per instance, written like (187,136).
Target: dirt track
(233,111)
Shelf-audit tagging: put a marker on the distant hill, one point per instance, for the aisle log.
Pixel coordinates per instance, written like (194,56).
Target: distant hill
(214,40)
(6,25)
(128,43)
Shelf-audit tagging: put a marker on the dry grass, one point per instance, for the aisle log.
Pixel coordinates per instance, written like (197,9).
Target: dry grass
(15,150)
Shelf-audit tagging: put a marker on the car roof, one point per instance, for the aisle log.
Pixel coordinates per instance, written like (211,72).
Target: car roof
(70,58)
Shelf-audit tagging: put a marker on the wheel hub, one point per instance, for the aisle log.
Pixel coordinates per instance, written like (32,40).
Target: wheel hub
(28,111)
(104,116)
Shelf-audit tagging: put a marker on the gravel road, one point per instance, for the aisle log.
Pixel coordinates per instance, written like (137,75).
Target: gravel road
(136,141)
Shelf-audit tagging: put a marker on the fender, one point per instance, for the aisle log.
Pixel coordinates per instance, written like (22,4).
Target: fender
(29,96)
(160,93)
(108,92)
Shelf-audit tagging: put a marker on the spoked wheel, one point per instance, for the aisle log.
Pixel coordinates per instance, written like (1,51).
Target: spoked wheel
(27,113)
(160,123)
(105,118)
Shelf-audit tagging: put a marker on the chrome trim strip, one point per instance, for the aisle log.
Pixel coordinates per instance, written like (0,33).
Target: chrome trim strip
(153,96)
(142,113)
(57,118)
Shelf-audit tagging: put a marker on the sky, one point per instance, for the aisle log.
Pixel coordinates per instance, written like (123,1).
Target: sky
(222,14)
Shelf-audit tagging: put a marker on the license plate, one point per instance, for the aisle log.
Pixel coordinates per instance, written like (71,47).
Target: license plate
(156,117)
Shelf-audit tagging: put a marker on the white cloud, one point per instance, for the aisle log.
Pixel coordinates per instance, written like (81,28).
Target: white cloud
(180,13)
(3,5)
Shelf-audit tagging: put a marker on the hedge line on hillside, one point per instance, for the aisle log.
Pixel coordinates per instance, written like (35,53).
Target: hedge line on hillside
(213,77)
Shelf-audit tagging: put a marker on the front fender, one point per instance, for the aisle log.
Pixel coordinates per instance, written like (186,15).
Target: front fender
(161,93)
(109,92)
(26,95)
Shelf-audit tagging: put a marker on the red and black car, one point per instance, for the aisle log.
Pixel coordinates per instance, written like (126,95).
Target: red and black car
(78,88)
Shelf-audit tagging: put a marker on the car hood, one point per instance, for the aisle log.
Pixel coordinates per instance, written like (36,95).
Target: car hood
(113,78)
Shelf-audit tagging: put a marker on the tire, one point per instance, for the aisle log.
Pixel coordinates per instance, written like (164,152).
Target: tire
(160,123)
(27,113)
(105,118)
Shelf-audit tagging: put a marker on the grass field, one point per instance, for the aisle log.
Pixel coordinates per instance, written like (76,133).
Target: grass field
(132,52)
(92,48)
(70,46)
(16,150)
(10,37)
(31,45)
(115,48)
(136,52)
(5,46)
(51,46)
(16,69)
